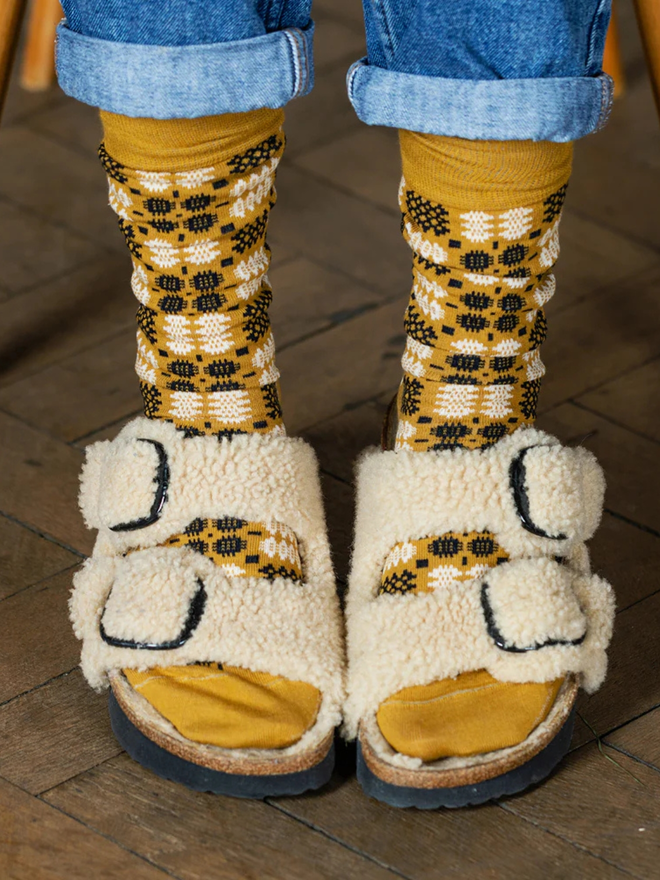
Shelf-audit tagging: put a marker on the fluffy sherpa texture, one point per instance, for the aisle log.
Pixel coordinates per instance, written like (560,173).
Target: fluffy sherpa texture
(400,641)
(281,627)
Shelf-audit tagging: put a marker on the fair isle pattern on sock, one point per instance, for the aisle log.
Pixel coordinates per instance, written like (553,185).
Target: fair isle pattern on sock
(242,548)
(193,199)
(432,563)
(198,243)
(475,321)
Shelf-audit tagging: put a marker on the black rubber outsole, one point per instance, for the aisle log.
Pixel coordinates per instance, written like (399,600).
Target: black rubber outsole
(199,778)
(513,782)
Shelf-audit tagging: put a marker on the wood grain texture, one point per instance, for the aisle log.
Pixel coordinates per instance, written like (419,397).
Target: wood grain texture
(40,843)
(11,16)
(200,835)
(348,364)
(39,483)
(58,183)
(54,733)
(322,115)
(632,686)
(38,68)
(107,432)
(482,842)
(625,203)
(64,316)
(630,400)
(341,230)
(26,558)
(608,810)
(624,337)
(640,737)
(36,637)
(627,557)
(41,250)
(366,162)
(79,394)
(310,298)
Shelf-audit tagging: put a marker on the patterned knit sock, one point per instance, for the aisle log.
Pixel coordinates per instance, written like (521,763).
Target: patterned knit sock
(193,198)
(482,220)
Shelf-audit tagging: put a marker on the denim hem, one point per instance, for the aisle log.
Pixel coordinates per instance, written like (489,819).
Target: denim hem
(168,82)
(551,109)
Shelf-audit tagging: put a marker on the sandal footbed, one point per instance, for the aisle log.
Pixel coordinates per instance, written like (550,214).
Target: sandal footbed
(202,778)
(457,782)
(512,782)
(234,762)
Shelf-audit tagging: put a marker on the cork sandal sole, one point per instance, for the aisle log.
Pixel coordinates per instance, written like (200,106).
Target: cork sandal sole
(459,782)
(245,773)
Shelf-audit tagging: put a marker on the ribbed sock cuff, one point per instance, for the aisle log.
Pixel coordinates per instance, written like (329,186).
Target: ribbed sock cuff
(172,144)
(482,175)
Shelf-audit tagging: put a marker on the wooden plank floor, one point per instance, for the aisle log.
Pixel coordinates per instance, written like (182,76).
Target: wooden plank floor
(71,803)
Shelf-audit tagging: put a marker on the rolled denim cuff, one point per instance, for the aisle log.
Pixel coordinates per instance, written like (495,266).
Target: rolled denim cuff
(169,82)
(545,109)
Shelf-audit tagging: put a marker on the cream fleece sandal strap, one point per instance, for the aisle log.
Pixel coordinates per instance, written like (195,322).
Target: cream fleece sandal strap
(538,616)
(137,604)
(151,481)
(527,620)
(537,497)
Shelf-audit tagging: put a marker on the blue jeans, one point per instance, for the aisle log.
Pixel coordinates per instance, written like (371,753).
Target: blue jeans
(478,69)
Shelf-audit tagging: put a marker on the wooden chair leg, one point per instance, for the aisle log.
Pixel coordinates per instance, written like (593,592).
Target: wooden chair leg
(612,62)
(38,69)
(648,17)
(11,16)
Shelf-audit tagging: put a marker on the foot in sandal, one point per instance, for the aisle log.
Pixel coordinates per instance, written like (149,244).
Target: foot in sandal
(472,615)
(466,648)
(209,604)
(225,667)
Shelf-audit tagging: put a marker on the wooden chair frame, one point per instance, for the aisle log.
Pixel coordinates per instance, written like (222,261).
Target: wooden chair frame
(11,18)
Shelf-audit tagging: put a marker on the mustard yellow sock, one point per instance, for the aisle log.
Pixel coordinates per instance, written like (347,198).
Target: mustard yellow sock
(229,707)
(482,220)
(193,198)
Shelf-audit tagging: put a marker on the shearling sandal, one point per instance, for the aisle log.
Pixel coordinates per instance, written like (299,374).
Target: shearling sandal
(170,622)
(472,617)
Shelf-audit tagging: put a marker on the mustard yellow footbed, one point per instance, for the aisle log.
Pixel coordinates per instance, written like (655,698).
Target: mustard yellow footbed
(229,707)
(467,715)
